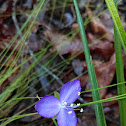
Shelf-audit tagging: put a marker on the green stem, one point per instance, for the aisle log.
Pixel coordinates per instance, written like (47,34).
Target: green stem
(54,121)
(95,93)
(120,75)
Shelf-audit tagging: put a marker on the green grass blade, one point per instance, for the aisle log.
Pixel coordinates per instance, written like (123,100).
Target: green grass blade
(119,97)
(120,75)
(95,94)
(117,22)
(17,83)
(17,117)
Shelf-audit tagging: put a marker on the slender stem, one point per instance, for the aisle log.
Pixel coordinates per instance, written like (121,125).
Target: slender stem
(119,97)
(54,121)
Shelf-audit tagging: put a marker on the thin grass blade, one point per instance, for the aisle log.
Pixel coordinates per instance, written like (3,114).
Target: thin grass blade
(117,22)
(95,94)
(120,75)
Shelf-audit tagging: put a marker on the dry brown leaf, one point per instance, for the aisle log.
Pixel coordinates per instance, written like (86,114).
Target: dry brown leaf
(99,47)
(97,27)
(104,72)
(105,49)
(63,44)
(107,21)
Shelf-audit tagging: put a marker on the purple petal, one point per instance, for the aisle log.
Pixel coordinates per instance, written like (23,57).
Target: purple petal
(70,92)
(66,117)
(48,106)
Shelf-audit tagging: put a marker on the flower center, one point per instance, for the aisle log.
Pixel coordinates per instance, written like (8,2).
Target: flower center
(64,104)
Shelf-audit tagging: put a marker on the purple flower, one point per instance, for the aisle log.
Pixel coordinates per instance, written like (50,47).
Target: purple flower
(49,106)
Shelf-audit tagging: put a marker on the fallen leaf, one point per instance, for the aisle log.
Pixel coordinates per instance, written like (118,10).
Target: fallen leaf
(63,44)
(105,49)
(97,27)
(107,21)
(105,72)
(99,47)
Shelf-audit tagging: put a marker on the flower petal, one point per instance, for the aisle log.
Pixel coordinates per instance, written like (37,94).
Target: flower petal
(66,117)
(48,106)
(70,92)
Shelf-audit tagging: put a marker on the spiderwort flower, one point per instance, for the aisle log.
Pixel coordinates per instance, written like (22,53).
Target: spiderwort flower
(49,106)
